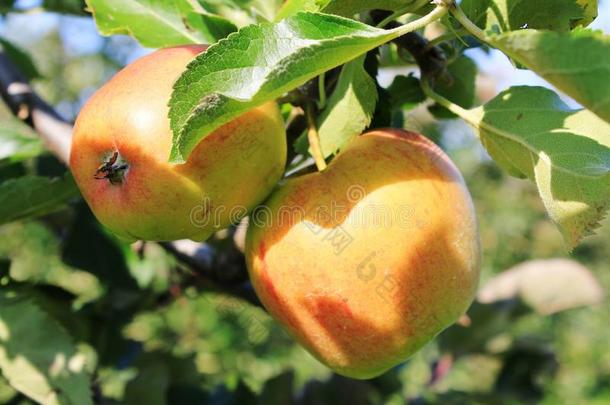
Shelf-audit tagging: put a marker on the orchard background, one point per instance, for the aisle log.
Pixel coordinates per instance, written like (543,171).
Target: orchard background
(87,318)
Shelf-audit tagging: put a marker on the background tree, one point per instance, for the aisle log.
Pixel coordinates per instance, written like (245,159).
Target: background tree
(87,318)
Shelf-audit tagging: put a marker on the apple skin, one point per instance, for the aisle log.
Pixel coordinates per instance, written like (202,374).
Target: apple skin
(228,173)
(360,291)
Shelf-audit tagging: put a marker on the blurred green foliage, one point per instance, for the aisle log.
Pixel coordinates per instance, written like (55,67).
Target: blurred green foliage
(149,337)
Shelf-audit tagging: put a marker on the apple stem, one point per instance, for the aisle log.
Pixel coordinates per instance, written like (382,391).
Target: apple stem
(314,139)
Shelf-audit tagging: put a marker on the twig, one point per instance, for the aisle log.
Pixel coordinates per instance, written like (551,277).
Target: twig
(30,108)
(224,271)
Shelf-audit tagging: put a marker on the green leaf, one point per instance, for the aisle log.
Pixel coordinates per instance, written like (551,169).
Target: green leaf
(7,393)
(37,356)
(17,142)
(21,59)
(260,63)
(65,6)
(152,383)
(406,92)
(149,266)
(577,63)
(261,9)
(476,11)
(512,15)
(88,246)
(230,10)
(159,23)
(345,8)
(350,108)
(31,196)
(530,132)
(556,15)
(348,8)
(457,85)
(589,8)
(35,257)
(243,12)
(291,7)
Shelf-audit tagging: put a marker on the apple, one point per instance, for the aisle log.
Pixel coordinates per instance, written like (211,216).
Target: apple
(366,261)
(121,145)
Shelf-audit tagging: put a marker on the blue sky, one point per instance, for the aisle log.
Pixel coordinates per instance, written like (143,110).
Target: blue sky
(80,37)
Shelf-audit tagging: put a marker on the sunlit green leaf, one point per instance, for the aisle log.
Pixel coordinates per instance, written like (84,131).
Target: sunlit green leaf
(291,7)
(35,257)
(243,12)
(350,108)
(7,393)
(17,142)
(159,23)
(31,196)
(348,8)
(577,63)
(529,131)
(511,15)
(260,63)
(37,356)
(589,8)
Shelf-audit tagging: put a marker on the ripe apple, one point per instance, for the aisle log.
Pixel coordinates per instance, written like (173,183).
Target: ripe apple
(366,261)
(122,141)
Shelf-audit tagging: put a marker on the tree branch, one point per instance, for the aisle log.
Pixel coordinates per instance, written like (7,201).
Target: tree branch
(223,269)
(430,59)
(227,269)
(30,108)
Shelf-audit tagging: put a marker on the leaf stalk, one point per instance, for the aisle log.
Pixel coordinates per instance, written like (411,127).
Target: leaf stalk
(436,14)
(314,139)
(471,27)
(451,106)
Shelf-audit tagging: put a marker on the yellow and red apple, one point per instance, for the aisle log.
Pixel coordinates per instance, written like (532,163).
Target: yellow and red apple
(366,261)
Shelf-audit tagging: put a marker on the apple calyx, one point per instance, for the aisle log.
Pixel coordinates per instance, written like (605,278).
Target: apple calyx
(112,168)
